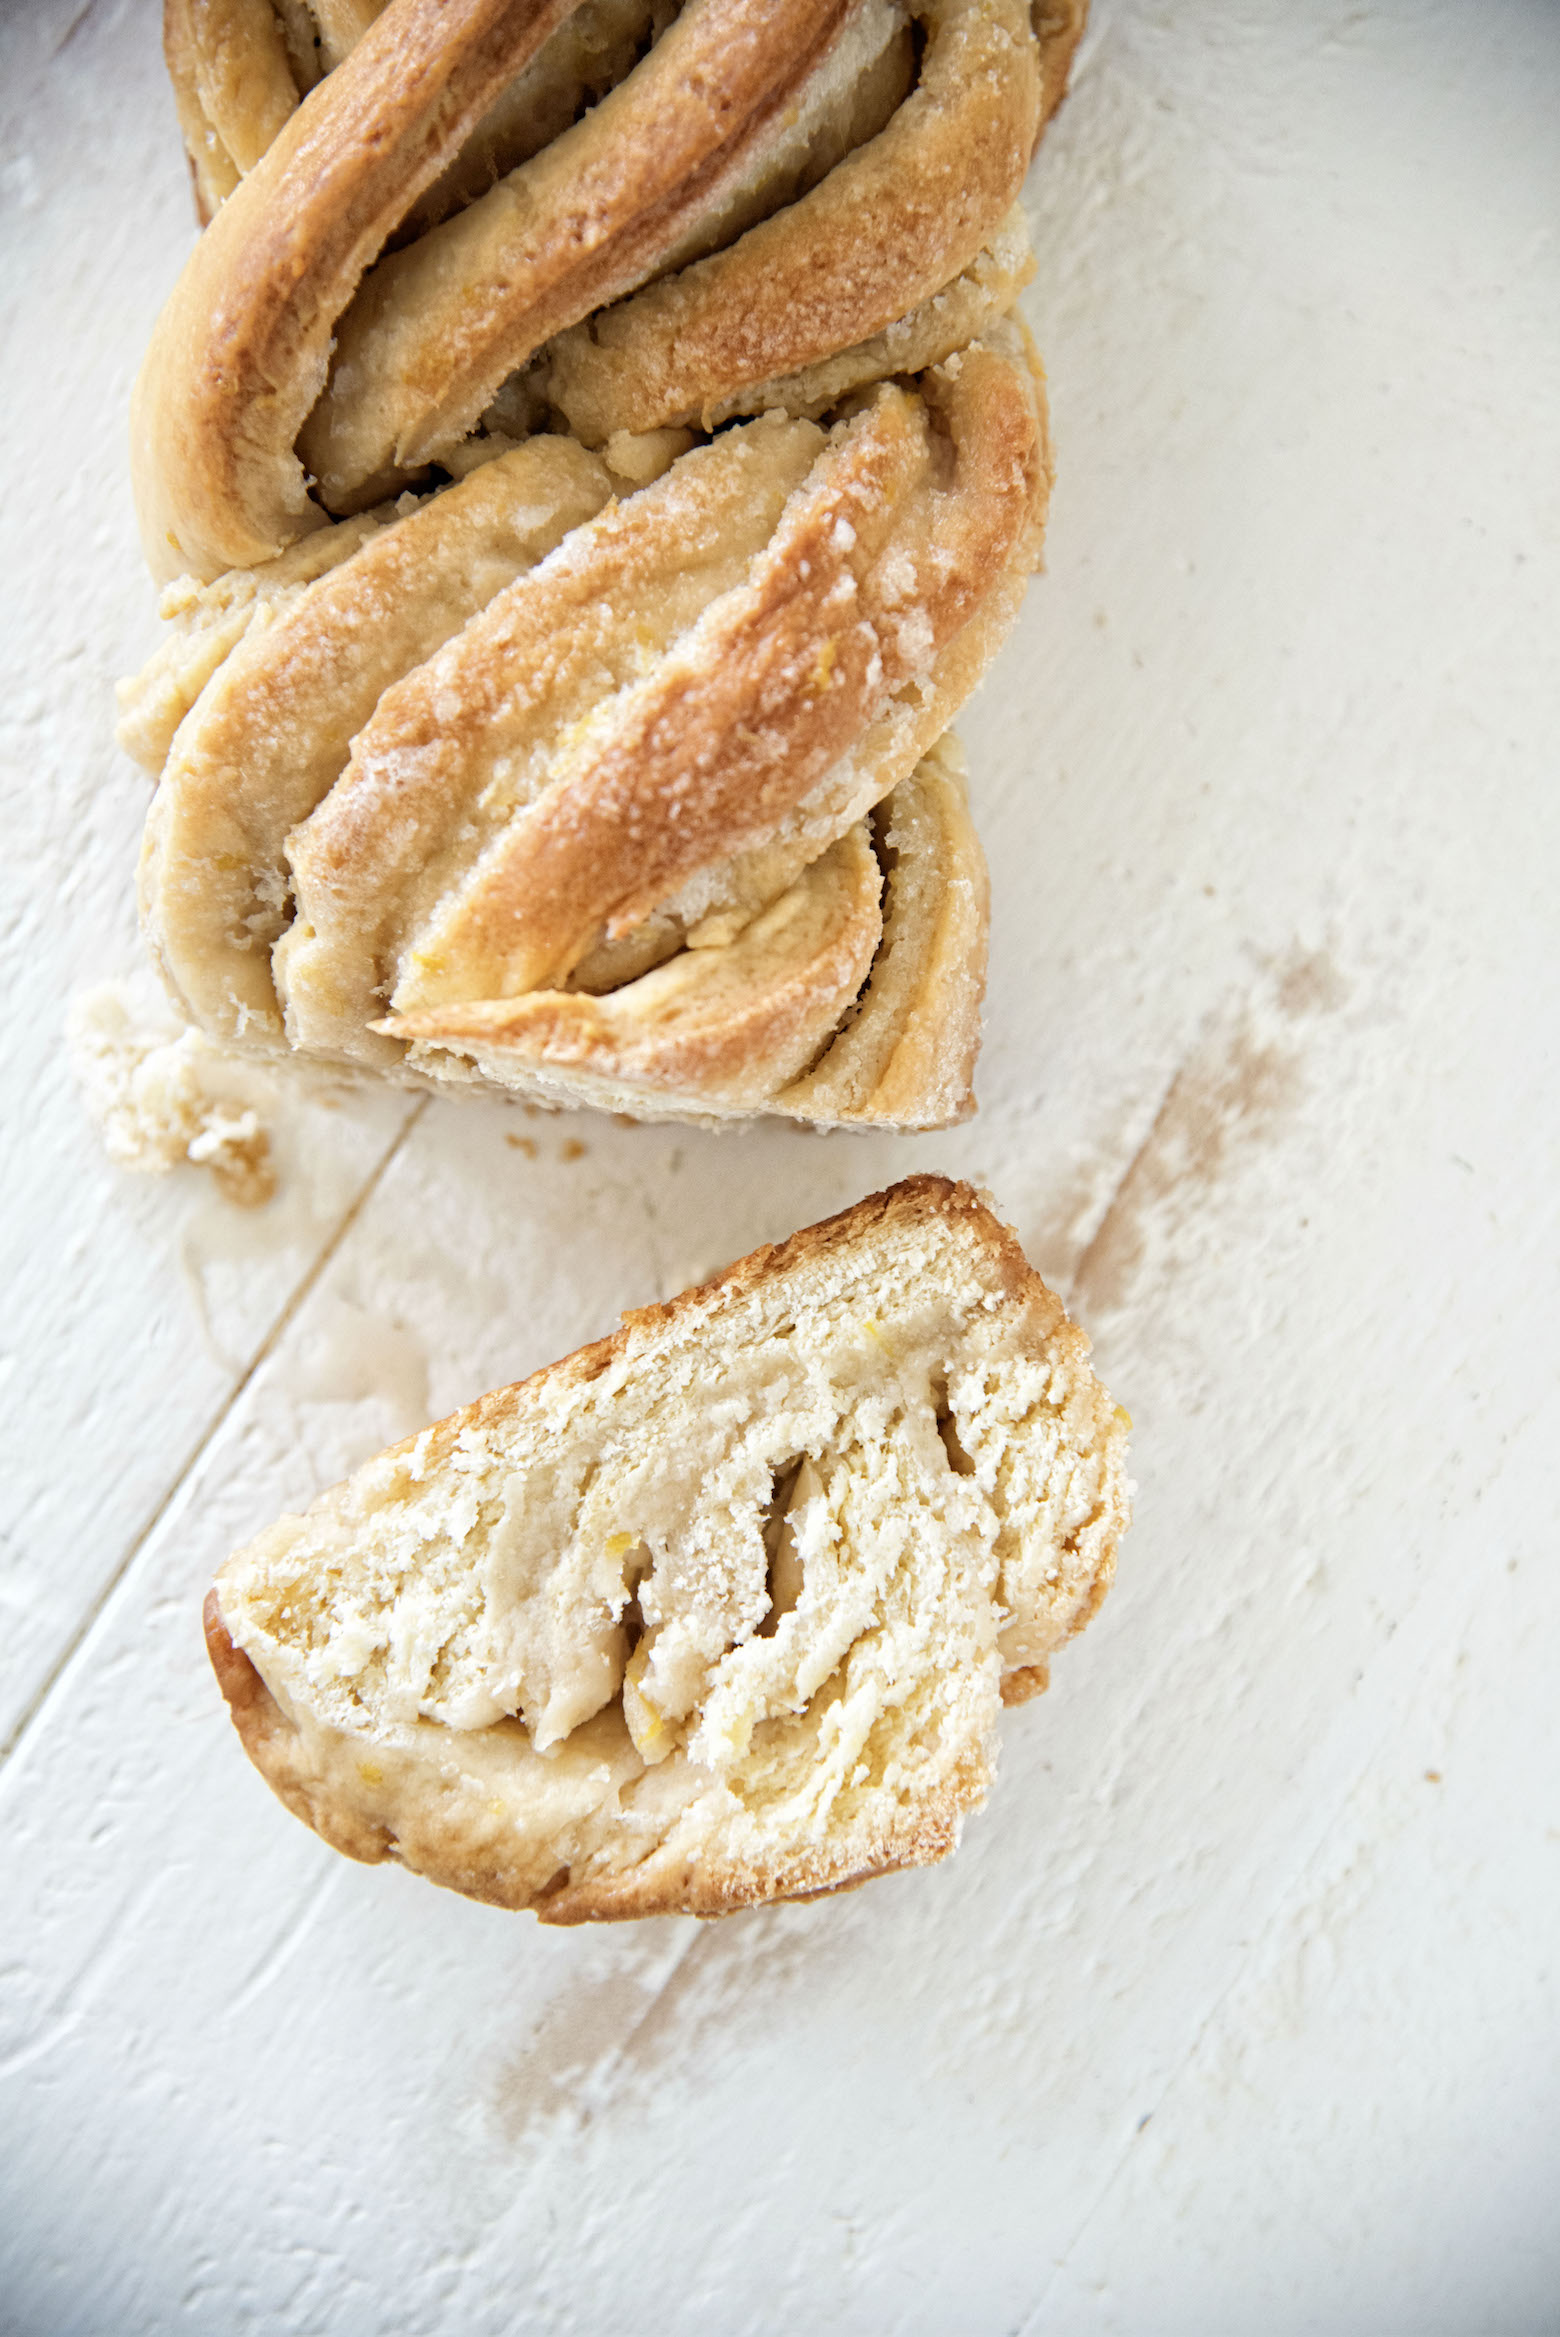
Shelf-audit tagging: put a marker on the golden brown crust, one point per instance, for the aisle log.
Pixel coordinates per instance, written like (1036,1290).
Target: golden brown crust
(923,1195)
(276,1748)
(904,1054)
(731,1024)
(668,1888)
(235,84)
(1058,29)
(437,1804)
(227,60)
(277,720)
(630,752)
(233,87)
(240,357)
(907,1056)
(602,386)
(806,659)
(886,231)
(437,328)
(241,351)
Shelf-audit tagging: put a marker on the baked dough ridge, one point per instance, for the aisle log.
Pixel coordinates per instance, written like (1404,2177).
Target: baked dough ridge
(296,328)
(565,780)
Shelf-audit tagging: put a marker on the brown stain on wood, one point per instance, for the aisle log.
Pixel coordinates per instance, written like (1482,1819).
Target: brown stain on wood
(607,2042)
(1238,1088)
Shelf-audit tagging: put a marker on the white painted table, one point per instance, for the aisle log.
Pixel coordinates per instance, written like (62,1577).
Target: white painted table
(1237,2012)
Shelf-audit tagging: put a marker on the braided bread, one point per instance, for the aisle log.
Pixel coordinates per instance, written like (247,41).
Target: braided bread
(719,1610)
(239,68)
(575,795)
(771,187)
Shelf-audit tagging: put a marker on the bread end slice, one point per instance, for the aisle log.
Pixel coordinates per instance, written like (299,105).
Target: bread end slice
(721,1609)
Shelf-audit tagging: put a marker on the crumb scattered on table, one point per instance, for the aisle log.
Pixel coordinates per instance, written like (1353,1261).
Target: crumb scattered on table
(156,1096)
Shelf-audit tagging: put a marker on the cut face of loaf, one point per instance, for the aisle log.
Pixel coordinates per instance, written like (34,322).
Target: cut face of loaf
(575,795)
(747,203)
(719,1610)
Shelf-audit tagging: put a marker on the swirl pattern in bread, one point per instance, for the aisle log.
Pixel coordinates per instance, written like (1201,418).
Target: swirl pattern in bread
(769,187)
(240,68)
(577,795)
(719,1610)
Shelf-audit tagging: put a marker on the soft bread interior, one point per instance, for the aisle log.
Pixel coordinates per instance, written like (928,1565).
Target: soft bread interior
(717,1610)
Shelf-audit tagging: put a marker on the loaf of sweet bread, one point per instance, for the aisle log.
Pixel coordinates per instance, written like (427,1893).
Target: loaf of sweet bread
(719,1610)
(610,794)
(492,215)
(240,68)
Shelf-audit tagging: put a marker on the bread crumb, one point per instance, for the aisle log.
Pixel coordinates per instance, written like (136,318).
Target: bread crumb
(640,457)
(155,1094)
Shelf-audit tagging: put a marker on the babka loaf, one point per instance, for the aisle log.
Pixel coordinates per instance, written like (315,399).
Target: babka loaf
(616,795)
(486,216)
(240,68)
(719,1610)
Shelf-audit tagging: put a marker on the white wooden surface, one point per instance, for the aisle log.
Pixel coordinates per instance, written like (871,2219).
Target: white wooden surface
(1237,2011)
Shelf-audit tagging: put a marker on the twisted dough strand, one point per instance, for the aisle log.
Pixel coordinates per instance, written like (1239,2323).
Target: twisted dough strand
(582,788)
(695,143)
(241,351)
